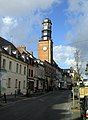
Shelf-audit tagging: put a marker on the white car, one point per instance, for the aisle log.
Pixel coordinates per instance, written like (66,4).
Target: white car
(85,83)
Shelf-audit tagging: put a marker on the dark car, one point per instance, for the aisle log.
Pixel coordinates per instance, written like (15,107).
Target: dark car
(84,108)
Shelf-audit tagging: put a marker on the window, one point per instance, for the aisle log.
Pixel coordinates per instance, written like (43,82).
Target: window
(10,65)
(24,84)
(31,73)
(24,70)
(19,85)
(20,68)
(45,33)
(45,27)
(17,68)
(44,38)
(4,63)
(16,83)
(9,82)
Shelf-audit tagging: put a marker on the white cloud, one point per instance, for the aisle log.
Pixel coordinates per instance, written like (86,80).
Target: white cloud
(78,18)
(20,20)
(17,7)
(64,55)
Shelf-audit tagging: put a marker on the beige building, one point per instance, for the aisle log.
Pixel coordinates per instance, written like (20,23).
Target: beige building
(13,69)
(30,68)
(39,75)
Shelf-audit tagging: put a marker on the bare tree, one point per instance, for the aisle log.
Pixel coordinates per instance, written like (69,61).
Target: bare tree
(78,66)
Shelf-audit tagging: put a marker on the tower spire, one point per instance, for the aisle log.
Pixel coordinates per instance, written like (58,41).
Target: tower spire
(46,29)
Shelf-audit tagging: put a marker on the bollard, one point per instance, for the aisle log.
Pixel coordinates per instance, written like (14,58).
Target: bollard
(5,98)
(15,94)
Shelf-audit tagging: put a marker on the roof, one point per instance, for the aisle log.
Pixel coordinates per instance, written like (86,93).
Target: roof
(5,43)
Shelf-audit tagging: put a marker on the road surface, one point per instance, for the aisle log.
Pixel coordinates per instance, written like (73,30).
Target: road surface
(53,106)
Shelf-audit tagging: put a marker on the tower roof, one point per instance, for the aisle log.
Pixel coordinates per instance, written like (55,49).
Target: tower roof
(47,20)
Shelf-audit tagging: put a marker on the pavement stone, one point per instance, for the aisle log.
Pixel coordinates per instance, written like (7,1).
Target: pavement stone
(75,110)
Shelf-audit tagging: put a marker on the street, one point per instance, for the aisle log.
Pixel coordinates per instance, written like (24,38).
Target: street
(52,106)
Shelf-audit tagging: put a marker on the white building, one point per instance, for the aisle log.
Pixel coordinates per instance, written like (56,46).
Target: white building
(14,79)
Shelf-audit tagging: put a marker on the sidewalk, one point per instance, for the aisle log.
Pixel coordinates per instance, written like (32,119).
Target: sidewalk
(75,110)
(13,98)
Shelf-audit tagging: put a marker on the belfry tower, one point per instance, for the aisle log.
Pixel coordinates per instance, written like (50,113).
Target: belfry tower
(45,45)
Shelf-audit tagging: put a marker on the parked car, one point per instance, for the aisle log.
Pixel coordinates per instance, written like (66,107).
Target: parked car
(84,108)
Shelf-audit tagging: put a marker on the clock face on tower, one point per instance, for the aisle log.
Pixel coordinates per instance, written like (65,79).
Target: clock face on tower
(44,48)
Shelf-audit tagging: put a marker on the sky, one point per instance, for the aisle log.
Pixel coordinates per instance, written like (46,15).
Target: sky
(21,24)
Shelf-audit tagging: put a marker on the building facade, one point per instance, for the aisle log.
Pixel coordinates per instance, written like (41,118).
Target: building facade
(14,79)
(30,67)
(39,75)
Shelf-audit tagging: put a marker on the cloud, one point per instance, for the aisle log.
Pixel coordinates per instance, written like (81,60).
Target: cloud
(64,55)
(21,20)
(77,13)
(17,7)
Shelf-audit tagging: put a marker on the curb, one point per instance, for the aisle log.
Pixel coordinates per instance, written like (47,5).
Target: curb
(35,97)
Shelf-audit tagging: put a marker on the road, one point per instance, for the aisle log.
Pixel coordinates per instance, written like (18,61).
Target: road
(53,106)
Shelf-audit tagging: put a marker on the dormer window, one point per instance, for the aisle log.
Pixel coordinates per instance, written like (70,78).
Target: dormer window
(27,58)
(23,56)
(38,61)
(14,52)
(6,48)
(31,56)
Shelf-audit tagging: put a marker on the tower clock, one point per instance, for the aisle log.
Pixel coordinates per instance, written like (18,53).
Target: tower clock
(45,45)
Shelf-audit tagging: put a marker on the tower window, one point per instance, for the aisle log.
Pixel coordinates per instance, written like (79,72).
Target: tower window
(44,38)
(45,24)
(45,27)
(45,33)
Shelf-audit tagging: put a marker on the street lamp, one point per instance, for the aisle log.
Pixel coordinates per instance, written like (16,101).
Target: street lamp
(2,72)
